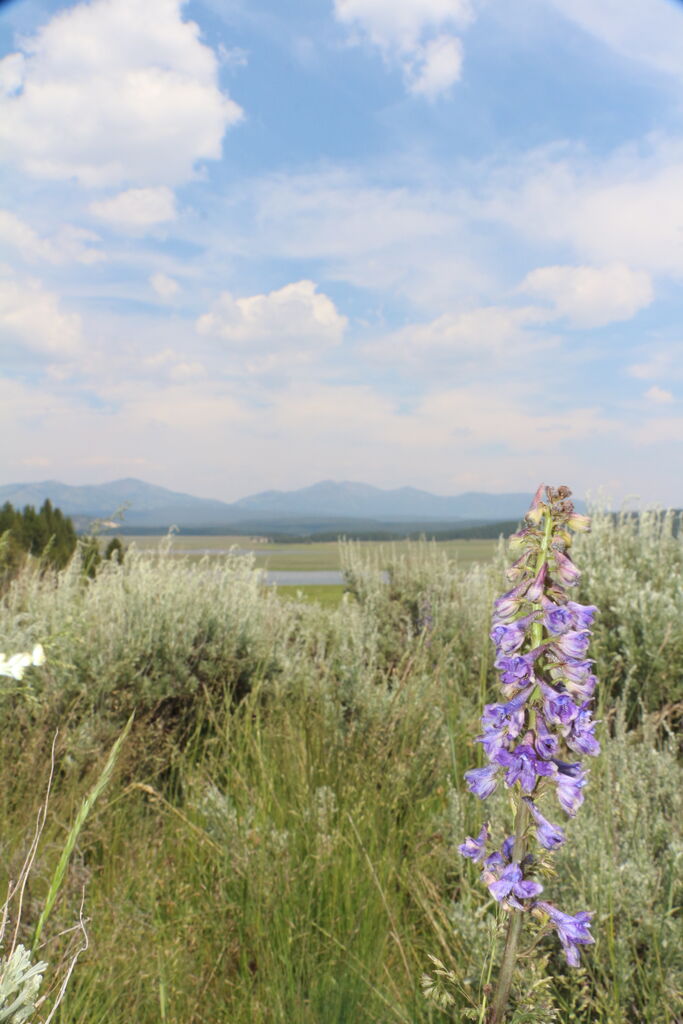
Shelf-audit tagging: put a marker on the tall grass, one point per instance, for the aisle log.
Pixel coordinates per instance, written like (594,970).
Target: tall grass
(279,841)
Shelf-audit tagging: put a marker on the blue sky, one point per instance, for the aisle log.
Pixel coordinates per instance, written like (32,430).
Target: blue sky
(258,243)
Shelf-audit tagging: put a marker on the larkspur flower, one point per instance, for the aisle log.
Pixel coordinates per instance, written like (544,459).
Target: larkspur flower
(557,618)
(572,931)
(516,670)
(507,606)
(524,765)
(570,780)
(482,781)
(558,708)
(580,736)
(583,614)
(549,836)
(546,742)
(475,849)
(566,569)
(503,722)
(509,637)
(541,643)
(573,643)
(536,588)
(512,887)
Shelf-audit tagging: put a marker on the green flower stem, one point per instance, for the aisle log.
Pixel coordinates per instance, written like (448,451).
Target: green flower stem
(502,993)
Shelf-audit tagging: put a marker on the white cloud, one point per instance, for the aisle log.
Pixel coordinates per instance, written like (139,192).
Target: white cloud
(171,364)
(166,287)
(294,323)
(591,296)
(661,363)
(659,395)
(401,23)
(624,208)
(404,31)
(489,335)
(438,65)
(68,244)
(30,316)
(137,207)
(412,239)
(114,92)
(646,31)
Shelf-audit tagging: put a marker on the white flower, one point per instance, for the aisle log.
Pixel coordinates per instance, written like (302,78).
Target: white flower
(14,666)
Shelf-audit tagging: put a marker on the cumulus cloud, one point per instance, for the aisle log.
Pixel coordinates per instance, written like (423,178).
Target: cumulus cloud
(31,317)
(137,207)
(292,324)
(410,33)
(114,92)
(591,296)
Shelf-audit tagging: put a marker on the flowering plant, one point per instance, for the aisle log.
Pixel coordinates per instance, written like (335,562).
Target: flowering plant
(534,737)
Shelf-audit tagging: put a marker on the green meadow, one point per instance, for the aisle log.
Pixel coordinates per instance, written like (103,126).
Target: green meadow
(278,843)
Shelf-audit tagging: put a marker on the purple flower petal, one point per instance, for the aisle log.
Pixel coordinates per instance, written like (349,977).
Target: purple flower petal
(549,836)
(573,644)
(482,781)
(566,569)
(583,614)
(572,931)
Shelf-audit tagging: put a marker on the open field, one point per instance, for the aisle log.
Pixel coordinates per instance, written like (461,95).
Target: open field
(279,842)
(310,557)
(315,555)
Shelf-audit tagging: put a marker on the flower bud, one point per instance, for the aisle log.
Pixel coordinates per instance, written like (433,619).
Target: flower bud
(579,523)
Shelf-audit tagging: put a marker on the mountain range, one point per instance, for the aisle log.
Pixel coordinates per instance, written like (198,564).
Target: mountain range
(328,504)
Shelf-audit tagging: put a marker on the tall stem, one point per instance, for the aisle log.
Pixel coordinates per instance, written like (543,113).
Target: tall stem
(507,966)
(502,994)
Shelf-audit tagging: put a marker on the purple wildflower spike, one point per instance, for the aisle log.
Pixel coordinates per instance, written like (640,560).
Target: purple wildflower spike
(533,737)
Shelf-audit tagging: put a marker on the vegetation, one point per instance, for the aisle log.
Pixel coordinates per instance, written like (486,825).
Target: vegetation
(278,843)
(46,535)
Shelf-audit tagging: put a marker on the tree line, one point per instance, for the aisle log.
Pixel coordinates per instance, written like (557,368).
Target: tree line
(49,536)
